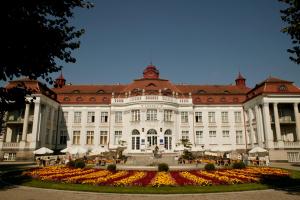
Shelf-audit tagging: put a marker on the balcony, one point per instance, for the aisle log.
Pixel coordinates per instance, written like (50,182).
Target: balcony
(13,119)
(286,119)
(11,145)
(287,144)
(292,144)
(151,98)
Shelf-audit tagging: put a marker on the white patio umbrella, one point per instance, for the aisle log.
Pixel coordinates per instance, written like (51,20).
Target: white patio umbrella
(197,148)
(98,150)
(78,150)
(65,150)
(43,150)
(258,150)
(74,150)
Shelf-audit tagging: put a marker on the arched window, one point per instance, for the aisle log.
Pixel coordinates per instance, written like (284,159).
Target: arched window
(135,140)
(168,132)
(151,132)
(152,137)
(168,139)
(135,132)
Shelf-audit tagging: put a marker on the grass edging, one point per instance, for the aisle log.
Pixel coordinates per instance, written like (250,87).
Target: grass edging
(146,190)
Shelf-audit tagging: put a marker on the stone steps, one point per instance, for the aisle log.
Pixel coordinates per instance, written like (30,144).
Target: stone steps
(148,159)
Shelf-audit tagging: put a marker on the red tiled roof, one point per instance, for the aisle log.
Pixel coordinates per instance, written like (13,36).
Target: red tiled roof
(33,86)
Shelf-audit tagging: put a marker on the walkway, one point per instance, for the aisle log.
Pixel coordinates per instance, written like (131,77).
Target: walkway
(27,193)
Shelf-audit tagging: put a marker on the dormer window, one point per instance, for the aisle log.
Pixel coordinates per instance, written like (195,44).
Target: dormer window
(151,84)
(66,99)
(79,99)
(92,99)
(282,88)
(201,92)
(210,99)
(100,92)
(76,92)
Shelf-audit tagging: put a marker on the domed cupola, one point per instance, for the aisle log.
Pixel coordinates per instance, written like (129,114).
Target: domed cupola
(151,72)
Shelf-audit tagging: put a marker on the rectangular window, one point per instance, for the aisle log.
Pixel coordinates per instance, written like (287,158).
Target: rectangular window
(103,137)
(63,137)
(90,137)
(211,117)
(64,118)
(104,117)
(185,135)
(167,115)
(212,134)
(198,117)
(91,117)
(225,134)
(184,117)
(118,117)
(76,137)
(199,137)
(117,138)
(77,117)
(135,115)
(224,116)
(239,137)
(151,115)
(237,117)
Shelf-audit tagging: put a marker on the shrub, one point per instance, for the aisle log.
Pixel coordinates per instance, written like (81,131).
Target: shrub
(163,167)
(112,167)
(209,167)
(71,163)
(79,163)
(238,165)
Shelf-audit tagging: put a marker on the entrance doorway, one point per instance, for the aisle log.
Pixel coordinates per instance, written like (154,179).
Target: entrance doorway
(152,137)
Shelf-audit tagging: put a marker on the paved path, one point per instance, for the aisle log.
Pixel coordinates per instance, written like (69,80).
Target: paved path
(27,193)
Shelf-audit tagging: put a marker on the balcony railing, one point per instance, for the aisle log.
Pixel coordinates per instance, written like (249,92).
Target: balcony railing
(292,144)
(9,145)
(287,144)
(152,98)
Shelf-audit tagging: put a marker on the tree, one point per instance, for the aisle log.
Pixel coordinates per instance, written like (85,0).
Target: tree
(35,34)
(291,16)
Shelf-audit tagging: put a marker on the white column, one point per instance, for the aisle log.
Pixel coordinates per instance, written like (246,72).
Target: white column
(259,129)
(277,123)
(297,120)
(250,117)
(267,123)
(36,122)
(25,124)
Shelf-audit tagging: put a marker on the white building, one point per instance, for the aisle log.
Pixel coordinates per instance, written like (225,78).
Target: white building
(152,111)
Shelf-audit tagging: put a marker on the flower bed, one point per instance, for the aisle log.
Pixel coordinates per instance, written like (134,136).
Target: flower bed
(155,179)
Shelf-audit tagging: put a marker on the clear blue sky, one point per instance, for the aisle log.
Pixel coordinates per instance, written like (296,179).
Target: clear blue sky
(190,41)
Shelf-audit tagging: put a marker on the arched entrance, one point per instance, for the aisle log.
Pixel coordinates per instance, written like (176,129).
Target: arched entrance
(152,137)
(168,139)
(135,140)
